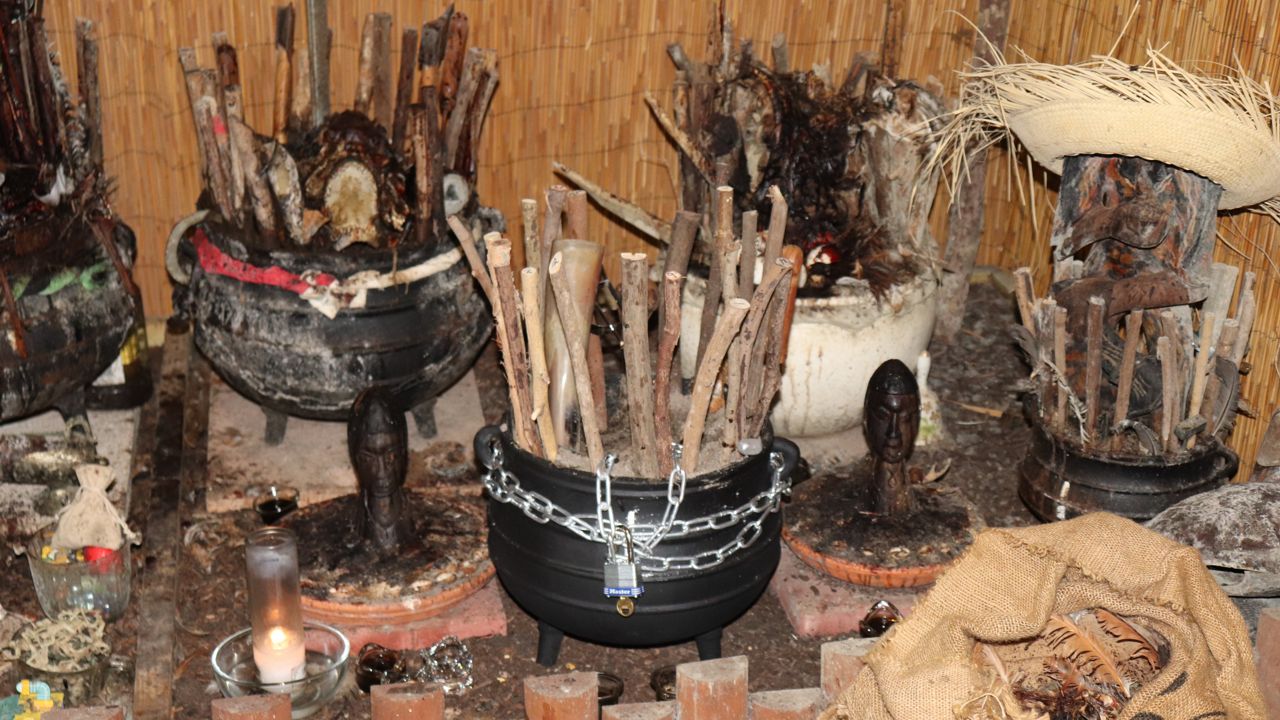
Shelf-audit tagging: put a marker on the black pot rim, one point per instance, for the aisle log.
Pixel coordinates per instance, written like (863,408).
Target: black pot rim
(633,486)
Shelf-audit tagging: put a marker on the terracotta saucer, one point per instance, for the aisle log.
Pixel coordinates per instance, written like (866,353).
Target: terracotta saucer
(827,525)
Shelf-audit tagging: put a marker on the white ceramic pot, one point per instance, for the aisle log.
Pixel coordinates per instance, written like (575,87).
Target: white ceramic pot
(836,344)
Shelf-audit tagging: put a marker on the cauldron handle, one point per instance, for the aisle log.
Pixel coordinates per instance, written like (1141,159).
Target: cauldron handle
(180,274)
(487,438)
(790,453)
(1226,462)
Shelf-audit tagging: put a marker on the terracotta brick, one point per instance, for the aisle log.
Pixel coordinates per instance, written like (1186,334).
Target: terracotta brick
(90,713)
(802,704)
(841,663)
(712,689)
(818,606)
(253,707)
(407,701)
(640,711)
(1268,655)
(569,696)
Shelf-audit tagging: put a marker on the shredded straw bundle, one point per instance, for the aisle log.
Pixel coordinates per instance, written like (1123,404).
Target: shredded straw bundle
(1224,128)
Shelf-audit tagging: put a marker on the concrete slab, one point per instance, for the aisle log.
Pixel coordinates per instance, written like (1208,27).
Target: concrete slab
(820,606)
(313,457)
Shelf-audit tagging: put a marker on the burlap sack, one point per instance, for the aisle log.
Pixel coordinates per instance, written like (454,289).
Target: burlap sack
(90,519)
(1011,580)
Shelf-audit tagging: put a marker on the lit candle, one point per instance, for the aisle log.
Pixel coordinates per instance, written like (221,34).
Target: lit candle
(275,605)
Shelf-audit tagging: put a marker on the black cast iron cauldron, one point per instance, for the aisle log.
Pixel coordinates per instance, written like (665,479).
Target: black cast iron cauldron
(73,331)
(1058,481)
(272,346)
(557,576)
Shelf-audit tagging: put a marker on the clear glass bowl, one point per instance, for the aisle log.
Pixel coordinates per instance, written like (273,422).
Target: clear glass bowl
(327,652)
(78,687)
(100,585)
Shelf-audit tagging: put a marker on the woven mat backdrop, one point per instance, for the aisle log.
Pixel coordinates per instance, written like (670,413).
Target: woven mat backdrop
(573,75)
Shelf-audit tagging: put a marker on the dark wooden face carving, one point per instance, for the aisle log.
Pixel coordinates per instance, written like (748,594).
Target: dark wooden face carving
(891,412)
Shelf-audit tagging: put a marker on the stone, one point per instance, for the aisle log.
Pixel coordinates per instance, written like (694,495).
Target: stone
(640,711)
(86,713)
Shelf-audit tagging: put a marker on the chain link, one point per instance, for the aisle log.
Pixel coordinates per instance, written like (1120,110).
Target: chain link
(505,488)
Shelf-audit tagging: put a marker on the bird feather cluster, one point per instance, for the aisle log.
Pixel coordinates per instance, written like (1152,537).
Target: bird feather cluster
(1082,666)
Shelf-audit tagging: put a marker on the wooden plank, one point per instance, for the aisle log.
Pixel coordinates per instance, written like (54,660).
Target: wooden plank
(177,490)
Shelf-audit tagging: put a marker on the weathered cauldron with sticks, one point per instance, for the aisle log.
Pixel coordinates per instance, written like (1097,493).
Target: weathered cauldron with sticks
(676,535)
(67,300)
(1137,351)
(850,160)
(318,264)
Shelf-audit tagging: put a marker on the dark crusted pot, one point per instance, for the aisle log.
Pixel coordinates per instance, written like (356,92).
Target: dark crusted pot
(557,576)
(72,334)
(1058,481)
(273,347)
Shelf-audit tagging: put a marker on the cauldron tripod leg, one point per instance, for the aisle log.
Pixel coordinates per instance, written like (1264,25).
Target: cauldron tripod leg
(276,424)
(709,644)
(74,415)
(549,639)
(424,416)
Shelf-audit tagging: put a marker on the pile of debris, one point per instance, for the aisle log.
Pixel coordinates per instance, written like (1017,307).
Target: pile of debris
(848,158)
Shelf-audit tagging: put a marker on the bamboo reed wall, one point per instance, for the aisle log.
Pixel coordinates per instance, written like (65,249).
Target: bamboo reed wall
(573,75)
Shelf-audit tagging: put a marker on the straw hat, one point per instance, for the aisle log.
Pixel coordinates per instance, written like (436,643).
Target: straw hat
(1224,128)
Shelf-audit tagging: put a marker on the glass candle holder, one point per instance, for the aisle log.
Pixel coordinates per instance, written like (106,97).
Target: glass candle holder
(275,604)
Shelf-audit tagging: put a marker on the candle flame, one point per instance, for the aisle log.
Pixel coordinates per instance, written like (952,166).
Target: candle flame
(278,638)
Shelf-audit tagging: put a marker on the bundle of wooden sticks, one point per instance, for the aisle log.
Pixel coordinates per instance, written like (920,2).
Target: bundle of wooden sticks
(437,133)
(1099,393)
(741,345)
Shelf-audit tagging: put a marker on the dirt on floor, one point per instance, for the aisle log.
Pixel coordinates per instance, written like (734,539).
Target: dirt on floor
(978,380)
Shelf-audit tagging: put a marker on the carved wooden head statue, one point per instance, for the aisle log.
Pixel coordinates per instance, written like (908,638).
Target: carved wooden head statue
(891,412)
(378,443)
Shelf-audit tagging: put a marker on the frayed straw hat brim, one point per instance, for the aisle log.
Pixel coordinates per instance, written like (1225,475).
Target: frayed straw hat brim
(1243,160)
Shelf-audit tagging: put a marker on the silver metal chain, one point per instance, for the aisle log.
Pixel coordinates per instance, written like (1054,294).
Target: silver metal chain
(505,488)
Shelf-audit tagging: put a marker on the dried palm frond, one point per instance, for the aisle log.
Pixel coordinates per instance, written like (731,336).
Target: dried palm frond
(997,92)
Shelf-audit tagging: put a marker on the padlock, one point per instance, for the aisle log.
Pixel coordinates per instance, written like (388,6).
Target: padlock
(621,576)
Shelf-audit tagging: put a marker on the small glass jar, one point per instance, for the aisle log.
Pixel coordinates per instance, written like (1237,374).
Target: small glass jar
(89,579)
(275,604)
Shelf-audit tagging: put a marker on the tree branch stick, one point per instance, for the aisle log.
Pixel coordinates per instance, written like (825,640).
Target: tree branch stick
(635,346)
(748,359)
(726,328)
(576,215)
(539,379)
(670,333)
(1132,336)
(1199,377)
(1093,366)
(747,258)
(704,166)
(405,84)
(285,18)
(478,268)
(629,213)
(1245,310)
(1060,359)
(516,363)
(245,145)
(568,311)
(777,228)
(1025,292)
(1168,378)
